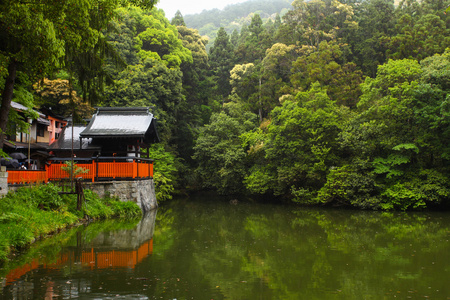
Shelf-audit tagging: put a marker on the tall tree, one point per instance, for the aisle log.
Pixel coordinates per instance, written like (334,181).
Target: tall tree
(376,21)
(322,65)
(315,21)
(221,60)
(194,112)
(178,19)
(40,35)
(159,41)
(30,42)
(218,150)
(419,39)
(299,148)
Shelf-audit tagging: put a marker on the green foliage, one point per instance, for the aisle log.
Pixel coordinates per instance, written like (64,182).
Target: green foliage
(44,197)
(403,196)
(150,84)
(158,40)
(321,64)
(221,60)
(350,185)
(432,107)
(71,168)
(125,209)
(391,166)
(419,38)
(164,172)
(299,146)
(30,213)
(417,191)
(218,150)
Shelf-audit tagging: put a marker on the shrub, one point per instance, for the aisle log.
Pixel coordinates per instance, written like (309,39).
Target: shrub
(348,186)
(417,190)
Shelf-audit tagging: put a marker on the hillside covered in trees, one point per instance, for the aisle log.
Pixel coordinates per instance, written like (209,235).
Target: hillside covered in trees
(334,102)
(233,17)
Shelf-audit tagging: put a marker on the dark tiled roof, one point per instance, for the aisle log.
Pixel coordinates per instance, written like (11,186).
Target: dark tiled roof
(20,145)
(64,142)
(111,122)
(21,107)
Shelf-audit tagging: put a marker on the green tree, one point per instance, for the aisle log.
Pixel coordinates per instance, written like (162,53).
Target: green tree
(165,172)
(195,111)
(376,24)
(151,84)
(26,28)
(385,117)
(312,22)
(40,36)
(221,60)
(431,106)
(300,147)
(178,19)
(419,39)
(218,150)
(322,64)
(159,41)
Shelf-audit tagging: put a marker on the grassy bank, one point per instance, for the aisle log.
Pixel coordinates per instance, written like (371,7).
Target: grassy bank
(32,213)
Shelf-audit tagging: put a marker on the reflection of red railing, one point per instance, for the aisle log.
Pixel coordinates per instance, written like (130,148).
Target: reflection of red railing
(116,258)
(91,258)
(102,168)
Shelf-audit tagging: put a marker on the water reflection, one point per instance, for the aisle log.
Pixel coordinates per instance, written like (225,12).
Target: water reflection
(106,245)
(209,249)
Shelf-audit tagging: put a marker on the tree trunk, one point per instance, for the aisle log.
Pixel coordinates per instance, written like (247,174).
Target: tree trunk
(260,103)
(7,98)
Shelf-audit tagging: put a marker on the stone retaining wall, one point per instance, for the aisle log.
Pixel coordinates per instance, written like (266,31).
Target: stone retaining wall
(3,181)
(142,192)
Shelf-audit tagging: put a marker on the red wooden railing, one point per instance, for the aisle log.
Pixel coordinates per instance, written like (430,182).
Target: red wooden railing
(25,176)
(99,169)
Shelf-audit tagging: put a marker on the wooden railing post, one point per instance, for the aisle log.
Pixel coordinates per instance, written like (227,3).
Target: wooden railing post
(137,169)
(93,171)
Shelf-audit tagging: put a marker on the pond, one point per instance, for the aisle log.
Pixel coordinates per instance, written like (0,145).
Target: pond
(211,248)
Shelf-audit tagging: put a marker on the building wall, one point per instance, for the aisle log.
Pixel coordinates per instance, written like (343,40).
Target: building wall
(43,139)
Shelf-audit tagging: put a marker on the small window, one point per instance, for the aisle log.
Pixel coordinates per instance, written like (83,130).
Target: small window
(41,130)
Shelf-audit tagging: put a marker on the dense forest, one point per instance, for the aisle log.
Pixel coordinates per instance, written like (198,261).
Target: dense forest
(331,103)
(233,17)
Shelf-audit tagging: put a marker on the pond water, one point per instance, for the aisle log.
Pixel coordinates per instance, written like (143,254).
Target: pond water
(213,249)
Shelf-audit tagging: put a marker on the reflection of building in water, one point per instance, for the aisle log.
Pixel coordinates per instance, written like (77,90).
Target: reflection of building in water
(112,249)
(93,258)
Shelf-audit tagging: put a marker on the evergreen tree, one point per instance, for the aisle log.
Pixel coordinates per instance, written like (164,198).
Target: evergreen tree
(178,19)
(221,60)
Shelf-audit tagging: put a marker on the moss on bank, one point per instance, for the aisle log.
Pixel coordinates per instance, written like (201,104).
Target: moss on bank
(31,213)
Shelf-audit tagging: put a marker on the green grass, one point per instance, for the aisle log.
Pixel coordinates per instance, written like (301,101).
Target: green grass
(32,213)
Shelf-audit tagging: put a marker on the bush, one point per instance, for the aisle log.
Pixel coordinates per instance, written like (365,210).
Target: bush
(45,196)
(348,186)
(417,191)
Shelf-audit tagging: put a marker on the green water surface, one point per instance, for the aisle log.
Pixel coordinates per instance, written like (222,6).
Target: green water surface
(210,248)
